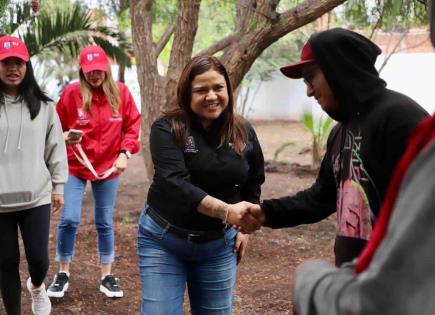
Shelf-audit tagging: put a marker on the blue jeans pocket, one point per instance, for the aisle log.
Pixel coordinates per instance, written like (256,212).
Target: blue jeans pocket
(230,237)
(149,227)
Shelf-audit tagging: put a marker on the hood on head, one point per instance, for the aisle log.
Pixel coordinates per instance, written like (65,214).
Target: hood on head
(347,60)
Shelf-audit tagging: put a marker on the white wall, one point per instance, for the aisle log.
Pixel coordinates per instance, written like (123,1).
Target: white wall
(130,81)
(413,75)
(284,98)
(280,98)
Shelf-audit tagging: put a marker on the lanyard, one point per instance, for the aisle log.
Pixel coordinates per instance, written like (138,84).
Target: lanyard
(83,158)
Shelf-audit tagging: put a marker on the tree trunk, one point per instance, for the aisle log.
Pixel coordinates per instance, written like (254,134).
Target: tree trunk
(121,73)
(158,93)
(149,80)
(181,52)
(257,26)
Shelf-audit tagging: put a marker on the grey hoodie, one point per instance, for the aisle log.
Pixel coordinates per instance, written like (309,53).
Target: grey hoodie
(400,279)
(33,162)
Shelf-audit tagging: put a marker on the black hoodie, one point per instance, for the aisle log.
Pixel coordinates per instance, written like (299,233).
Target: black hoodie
(362,149)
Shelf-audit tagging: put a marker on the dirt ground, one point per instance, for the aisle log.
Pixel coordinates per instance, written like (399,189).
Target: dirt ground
(265,275)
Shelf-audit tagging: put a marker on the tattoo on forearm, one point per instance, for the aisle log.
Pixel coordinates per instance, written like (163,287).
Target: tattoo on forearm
(213,207)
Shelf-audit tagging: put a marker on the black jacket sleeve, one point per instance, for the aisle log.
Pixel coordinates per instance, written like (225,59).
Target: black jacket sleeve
(399,123)
(252,189)
(307,206)
(171,173)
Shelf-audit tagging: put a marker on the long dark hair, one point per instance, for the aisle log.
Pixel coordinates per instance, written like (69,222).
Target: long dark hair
(30,91)
(231,126)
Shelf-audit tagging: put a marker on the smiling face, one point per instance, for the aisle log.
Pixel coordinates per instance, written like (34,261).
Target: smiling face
(318,87)
(12,73)
(95,78)
(209,96)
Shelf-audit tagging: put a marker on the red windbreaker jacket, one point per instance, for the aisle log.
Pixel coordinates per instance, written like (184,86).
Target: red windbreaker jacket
(104,134)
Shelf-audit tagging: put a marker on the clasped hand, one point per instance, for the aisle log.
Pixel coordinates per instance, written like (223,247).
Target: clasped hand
(246,216)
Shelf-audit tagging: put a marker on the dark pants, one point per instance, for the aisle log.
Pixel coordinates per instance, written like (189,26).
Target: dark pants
(34,226)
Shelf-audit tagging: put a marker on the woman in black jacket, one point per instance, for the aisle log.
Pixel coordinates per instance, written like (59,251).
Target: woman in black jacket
(206,158)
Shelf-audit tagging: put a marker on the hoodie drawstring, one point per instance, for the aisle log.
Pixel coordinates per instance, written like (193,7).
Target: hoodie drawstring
(7,126)
(21,128)
(5,149)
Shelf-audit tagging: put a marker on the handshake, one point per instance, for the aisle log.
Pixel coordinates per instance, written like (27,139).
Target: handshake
(245,216)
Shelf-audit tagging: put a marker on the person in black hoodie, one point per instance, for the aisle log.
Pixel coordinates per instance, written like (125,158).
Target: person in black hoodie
(373,126)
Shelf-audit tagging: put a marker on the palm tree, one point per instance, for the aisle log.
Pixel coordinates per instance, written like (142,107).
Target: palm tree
(319,131)
(64,31)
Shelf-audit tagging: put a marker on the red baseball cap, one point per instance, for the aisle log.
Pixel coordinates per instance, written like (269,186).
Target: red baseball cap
(92,58)
(294,70)
(11,46)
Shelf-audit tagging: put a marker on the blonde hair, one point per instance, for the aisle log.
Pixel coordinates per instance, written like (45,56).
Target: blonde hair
(110,89)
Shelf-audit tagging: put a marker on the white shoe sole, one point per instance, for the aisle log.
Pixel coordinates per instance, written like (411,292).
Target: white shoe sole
(59,294)
(110,294)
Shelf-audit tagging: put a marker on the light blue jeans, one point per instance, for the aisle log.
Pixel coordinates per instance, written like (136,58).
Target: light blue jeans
(167,262)
(104,192)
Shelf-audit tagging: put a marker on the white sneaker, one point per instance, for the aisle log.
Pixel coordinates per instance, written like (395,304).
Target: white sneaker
(41,304)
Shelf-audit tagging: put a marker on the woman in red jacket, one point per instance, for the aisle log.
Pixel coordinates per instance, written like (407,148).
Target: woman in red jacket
(101,125)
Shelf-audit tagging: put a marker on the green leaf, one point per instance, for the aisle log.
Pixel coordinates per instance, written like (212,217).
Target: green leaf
(281,148)
(326,128)
(307,119)
(67,31)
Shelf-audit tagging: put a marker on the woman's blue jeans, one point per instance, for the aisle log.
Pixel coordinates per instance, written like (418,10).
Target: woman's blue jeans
(167,262)
(104,192)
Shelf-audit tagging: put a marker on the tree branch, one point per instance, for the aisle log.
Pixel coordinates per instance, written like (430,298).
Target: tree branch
(219,45)
(378,23)
(142,31)
(165,39)
(146,59)
(302,14)
(389,54)
(182,46)
(265,28)
(184,36)
(242,12)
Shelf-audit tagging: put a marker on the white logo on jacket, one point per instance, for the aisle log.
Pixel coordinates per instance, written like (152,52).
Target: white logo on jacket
(190,145)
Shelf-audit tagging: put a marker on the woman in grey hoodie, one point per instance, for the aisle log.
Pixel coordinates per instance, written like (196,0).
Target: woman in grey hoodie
(33,170)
